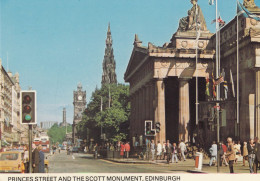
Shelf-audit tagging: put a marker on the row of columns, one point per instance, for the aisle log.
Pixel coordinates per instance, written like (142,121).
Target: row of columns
(148,103)
(257,104)
(141,108)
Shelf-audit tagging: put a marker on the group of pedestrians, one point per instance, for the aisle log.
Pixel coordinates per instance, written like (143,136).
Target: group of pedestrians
(37,159)
(231,152)
(168,151)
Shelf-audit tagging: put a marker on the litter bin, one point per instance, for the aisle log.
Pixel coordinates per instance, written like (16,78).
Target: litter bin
(198,161)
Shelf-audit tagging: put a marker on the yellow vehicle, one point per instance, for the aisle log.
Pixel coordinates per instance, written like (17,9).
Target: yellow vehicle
(11,162)
(46,165)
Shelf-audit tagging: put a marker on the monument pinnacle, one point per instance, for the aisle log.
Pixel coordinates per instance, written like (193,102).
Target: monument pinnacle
(109,64)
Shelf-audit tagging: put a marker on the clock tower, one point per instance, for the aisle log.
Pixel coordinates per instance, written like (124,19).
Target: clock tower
(79,102)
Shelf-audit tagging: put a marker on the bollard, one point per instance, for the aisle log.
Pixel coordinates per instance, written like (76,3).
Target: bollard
(198,161)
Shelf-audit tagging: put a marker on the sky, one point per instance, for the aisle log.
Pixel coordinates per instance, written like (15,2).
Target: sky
(55,44)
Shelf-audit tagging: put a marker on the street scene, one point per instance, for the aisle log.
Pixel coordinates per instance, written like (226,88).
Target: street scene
(118,86)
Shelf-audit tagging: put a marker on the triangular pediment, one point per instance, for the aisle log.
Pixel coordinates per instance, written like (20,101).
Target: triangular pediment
(137,56)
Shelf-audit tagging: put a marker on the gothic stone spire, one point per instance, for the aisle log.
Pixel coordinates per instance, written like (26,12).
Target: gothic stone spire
(109,64)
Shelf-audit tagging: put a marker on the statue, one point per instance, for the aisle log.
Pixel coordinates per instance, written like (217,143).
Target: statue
(249,3)
(189,22)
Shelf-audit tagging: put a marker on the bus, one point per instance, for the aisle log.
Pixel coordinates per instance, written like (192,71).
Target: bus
(44,141)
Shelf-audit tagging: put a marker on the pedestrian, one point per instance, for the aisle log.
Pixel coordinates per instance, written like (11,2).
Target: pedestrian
(245,153)
(35,159)
(41,159)
(152,149)
(164,150)
(221,153)
(257,154)
(158,150)
(183,149)
(168,151)
(26,159)
(213,153)
(251,154)
(118,146)
(148,146)
(224,147)
(122,150)
(230,154)
(59,149)
(174,153)
(127,149)
(96,151)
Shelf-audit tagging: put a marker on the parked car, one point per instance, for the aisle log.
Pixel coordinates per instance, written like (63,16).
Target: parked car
(75,149)
(11,162)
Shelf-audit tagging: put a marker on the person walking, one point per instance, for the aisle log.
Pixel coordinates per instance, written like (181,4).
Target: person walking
(127,149)
(224,147)
(245,153)
(41,159)
(251,154)
(96,151)
(168,151)
(152,149)
(26,159)
(257,155)
(230,154)
(183,148)
(174,153)
(164,150)
(213,153)
(35,159)
(122,150)
(158,150)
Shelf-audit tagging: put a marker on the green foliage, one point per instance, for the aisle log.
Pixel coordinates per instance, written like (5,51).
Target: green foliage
(114,120)
(58,134)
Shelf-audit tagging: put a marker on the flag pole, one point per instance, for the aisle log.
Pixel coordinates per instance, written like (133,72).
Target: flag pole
(217,86)
(197,40)
(237,69)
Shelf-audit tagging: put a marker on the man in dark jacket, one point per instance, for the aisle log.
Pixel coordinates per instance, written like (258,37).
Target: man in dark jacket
(257,154)
(35,159)
(41,159)
(168,151)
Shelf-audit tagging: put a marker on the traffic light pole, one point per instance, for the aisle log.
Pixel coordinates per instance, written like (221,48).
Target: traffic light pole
(30,148)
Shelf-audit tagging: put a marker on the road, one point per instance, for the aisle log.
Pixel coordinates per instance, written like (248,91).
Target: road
(84,163)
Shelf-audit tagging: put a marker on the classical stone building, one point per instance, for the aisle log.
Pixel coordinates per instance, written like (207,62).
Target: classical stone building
(109,63)
(79,102)
(163,83)
(12,131)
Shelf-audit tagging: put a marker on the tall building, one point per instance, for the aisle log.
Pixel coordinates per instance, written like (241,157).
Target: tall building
(163,83)
(109,64)
(47,124)
(6,86)
(79,102)
(64,122)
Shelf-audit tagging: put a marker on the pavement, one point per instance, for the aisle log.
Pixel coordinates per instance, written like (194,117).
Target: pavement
(189,164)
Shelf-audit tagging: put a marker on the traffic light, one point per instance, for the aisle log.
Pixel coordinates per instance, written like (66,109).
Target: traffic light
(148,129)
(157,127)
(28,107)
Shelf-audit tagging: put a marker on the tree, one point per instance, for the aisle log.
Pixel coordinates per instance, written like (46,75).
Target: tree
(114,120)
(58,134)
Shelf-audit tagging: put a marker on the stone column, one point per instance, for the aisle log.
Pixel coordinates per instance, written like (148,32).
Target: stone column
(184,108)
(257,103)
(160,110)
(147,102)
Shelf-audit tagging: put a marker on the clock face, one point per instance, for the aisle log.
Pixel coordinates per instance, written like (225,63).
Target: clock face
(79,98)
